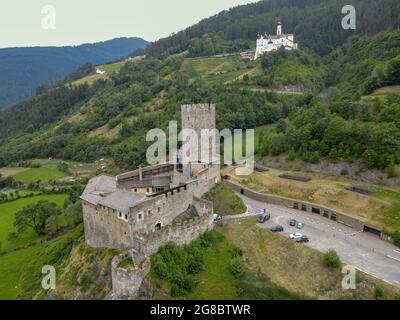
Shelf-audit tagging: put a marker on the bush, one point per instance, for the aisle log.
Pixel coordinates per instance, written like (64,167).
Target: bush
(331,259)
(237,268)
(344,172)
(182,284)
(379,294)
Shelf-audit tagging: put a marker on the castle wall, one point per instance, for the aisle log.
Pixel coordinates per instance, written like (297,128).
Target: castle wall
(180,233)
(126,282)
(104,228)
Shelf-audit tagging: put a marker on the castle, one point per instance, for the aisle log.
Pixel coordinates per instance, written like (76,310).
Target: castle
(267,43)
(143,209)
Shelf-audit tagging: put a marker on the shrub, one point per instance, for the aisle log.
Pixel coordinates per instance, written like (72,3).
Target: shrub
(237,268)
(344,172)
(379,294)
(331,259)
(182,284)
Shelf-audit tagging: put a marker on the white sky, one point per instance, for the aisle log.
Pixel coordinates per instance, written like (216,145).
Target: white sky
(82,21)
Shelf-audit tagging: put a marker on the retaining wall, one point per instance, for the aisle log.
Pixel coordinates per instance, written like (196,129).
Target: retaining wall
(349,220)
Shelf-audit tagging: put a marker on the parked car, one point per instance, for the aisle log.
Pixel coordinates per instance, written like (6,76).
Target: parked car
(292,222)
(300,225)
(302,239)
(295,236)
(264,217)
(277,229)
(217,217)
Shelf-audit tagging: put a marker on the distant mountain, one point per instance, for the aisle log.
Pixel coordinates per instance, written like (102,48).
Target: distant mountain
(22,70)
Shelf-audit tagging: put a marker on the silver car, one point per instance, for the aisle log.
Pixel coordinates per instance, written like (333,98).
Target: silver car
(300,225)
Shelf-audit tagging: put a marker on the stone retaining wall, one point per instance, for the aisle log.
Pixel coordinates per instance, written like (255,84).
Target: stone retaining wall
(349,220)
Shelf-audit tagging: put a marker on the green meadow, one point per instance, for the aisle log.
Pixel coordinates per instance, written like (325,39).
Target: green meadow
(44,174)
(11,268)
(8,211)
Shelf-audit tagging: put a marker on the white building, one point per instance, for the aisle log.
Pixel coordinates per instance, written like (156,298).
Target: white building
(98,71)
(267,43)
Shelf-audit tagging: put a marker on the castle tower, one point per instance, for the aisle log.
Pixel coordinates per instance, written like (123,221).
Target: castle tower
(199,118)
(279,28)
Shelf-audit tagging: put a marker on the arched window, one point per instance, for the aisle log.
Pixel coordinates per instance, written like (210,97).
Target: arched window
(158,226)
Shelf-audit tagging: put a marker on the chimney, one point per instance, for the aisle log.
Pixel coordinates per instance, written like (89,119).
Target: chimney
(140,173)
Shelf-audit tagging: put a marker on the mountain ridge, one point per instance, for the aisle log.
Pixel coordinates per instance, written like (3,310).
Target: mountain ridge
(26,68)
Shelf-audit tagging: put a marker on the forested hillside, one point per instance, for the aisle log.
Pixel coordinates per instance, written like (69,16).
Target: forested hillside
(24,69)
(315,23)
(337,116)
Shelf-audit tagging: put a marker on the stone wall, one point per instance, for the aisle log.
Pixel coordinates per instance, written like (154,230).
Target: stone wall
(181,233)
(126,282)
(349,220)
(103,228)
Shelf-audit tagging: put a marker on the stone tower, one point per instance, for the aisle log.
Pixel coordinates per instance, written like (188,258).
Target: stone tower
(200,117)
(279,28)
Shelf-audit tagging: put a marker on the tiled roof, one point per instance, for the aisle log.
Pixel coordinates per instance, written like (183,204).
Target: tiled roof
(122,200)
(103,190)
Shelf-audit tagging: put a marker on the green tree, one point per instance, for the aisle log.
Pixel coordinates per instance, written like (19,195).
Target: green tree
(35,216)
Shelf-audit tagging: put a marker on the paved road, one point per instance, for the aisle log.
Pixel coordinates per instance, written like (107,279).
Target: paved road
(364,251)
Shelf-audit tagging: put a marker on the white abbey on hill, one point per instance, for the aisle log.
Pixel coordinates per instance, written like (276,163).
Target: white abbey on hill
(267,43)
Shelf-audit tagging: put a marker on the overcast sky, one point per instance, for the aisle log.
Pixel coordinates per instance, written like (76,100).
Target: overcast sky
(82,21)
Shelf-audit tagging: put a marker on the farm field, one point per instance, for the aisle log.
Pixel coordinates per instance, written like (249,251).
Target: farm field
(218,69)
(44,174)
(7,213)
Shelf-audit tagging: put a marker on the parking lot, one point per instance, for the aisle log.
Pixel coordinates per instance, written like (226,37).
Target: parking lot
(362,250)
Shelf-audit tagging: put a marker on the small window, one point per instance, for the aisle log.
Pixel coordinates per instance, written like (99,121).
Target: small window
(126,217)
(148,190)
(140,216)
(120,214)
(158,209)
(135,189)
(149,212)
(333,217)
(303,207)
(295,205)
(326,214)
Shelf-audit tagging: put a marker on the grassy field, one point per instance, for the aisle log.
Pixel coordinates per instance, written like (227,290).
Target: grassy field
(112,67)
(108,68)
(44,174)
(381,209)
(225,201)
(7,213)
(10,171)
(214,281)
(218,69)
(48,170)
(294,266)
(11,267)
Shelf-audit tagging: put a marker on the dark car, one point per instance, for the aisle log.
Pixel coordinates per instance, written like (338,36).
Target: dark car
(292,222)
(264,217)
(277,229)
(303,239)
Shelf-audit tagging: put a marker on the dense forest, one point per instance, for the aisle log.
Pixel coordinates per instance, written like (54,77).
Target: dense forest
(24,69)
(335,118)
(315,23)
